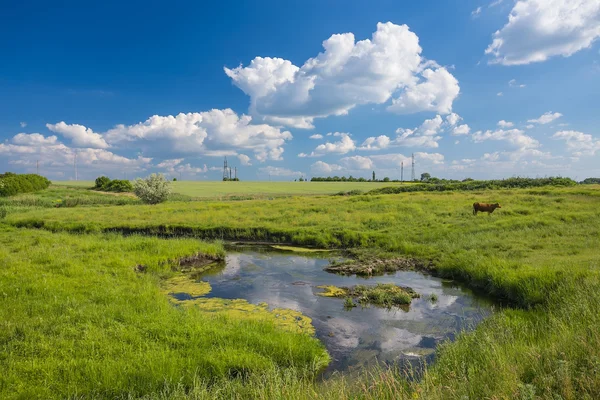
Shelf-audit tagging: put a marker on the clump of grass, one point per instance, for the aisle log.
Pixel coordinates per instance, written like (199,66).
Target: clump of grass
(349,303)
(433,298)
(382,295)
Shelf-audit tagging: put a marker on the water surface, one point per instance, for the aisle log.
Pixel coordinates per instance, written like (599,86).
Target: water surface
(360,336)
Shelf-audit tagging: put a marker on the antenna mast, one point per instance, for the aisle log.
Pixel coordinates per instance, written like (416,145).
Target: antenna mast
(412,175)
(225,170)
(402,171)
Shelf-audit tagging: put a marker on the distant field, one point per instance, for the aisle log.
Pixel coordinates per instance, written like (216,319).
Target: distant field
(219,188)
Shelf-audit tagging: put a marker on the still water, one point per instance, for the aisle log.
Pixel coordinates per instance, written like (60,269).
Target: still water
(361,336)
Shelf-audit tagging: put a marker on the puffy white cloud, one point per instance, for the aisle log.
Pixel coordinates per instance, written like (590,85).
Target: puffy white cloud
(546,118)
(80,135)
(515,137)
(34,139)
(579,143)
(395,161)
(278,171)
(346,74)
(426,135)
(463,129)
(316,136)
(375,143)
(540,29)
(169,164)
(343,146)
(505,124)
(436,93)
(357,162)
(530,126)
(453,119)
(321,167)
(244,159)
(210,133)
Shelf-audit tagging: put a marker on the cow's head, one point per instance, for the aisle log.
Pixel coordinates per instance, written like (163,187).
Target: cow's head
(497,205)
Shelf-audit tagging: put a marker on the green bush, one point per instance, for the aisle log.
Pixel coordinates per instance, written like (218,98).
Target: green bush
(12,184)
(101,182)
(152,190)
(119,185)
(591,181)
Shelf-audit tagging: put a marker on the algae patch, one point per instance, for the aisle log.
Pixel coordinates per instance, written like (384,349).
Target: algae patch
(240,309)
(298,249)
(382,295)
(182,283)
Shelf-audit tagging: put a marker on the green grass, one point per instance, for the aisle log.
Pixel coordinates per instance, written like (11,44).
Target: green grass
(244,189)
(382,295)
(78,322)
(539,252)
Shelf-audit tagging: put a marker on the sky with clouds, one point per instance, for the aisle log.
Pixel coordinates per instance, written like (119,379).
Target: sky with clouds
(473,88)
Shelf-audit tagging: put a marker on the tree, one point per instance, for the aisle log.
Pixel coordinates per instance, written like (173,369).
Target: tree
(174,179)
(386,179)
(102,181)
(153,189)
(373,176)
(425,176)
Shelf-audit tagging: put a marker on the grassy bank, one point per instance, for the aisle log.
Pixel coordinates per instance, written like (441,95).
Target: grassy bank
(78,322)
(539,253)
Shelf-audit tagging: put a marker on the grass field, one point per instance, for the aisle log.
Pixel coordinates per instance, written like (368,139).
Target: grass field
(213,189)
(538,253)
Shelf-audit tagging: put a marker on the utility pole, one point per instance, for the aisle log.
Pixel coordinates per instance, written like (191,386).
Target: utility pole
(225,174)
(235,176)
(402,171)
(412,175)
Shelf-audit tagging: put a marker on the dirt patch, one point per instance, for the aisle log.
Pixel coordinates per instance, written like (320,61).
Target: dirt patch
(376,266)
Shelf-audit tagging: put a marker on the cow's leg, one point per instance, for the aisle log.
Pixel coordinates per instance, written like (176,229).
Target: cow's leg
(474,211)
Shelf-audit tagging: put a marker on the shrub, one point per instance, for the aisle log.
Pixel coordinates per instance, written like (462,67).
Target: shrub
(118,185)
(11,184)
(591,181)
(101,182)
(153,189)
(174,179)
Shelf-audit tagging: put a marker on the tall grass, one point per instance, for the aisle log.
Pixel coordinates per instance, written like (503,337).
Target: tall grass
(538,253)
(78,322)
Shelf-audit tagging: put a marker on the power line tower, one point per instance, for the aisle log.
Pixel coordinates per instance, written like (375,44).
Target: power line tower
(225,170)
(235,171)
(412,174)
(402,171)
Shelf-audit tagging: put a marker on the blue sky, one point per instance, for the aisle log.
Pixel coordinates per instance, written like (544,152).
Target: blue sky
(141,87)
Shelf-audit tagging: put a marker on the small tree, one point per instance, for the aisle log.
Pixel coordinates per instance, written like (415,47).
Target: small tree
(174,179)
(425,176)
(373,176)
(153,189)
(102,181)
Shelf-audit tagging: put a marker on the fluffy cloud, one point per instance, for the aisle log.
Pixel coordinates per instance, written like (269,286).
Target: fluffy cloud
(321,167)
(54,157)
(80,135)
(426,135)
(346,74)
(244,159)
(375,143)
(343,146)
(357,163)
(436,93)
(463,129)
(316,136)
(210,133)
(168,164)
(552,28)
(278,171)
(546,118)
(505,124)
(514,137)
(34,139)
(579,143)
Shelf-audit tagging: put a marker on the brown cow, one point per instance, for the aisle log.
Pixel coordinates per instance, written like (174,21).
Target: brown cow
(485,207)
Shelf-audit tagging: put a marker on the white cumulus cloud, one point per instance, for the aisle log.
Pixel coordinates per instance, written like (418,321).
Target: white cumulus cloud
(579,143)
(514,137)
(80,135)
(316,136)
(321,167)
(540,29)
(375,143)
(546,118)
(343,146)
(346,74)
(505,124)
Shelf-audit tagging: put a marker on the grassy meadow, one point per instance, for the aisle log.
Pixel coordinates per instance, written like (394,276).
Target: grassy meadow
(225,190)
(73,274)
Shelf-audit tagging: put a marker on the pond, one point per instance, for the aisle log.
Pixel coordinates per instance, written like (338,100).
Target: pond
(357,337)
